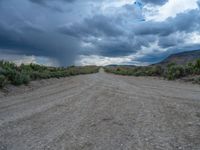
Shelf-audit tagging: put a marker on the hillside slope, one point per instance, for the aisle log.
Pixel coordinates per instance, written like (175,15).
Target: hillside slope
(181,58)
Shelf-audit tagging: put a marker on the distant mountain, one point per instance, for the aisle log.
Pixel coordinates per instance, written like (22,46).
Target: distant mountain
(181,58)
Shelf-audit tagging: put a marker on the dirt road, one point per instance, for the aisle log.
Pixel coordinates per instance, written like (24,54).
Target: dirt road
(103,112)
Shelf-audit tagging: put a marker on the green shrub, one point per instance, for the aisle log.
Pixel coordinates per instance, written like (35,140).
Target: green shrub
(26,78)
(18,75)
(34,75)
(3,81)
(171,64)
(197,65)
(2,71)
(16,79)
(20,78)
(136,71)
(173,72)
(189,69)
(10,74)
(153,71)
(118,70)
(44,75)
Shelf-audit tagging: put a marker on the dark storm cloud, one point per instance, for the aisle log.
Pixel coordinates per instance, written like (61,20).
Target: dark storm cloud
(119,46)
(32,33)
(85,28)
(198,2)
(108,35)
(153,57)
(44,2)
(97,26)
(32,41)
(52,4)
(115,48)
(156,2)
(184,22)
(170,41)
(122,40)
(165,31)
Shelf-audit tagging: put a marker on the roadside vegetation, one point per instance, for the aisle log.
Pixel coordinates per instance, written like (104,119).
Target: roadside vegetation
(171,72)
(23,74)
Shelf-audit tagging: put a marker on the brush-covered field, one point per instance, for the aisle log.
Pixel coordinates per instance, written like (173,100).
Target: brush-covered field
(23,74)
(171,72)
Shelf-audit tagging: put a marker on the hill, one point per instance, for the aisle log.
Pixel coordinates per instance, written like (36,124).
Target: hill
(181,58)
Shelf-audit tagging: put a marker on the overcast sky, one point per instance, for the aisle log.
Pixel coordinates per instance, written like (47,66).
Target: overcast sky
(97,32)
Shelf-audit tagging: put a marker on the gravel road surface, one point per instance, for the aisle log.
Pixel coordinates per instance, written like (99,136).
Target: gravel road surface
(102,112)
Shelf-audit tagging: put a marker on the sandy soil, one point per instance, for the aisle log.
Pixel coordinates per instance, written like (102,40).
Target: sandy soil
(102,112)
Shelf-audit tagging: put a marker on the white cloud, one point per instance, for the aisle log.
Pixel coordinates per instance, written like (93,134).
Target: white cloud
(100,60)
(103,61)
(25,60)
(170,9)
(19,59)
(119,3)
(150,49)
(193,38)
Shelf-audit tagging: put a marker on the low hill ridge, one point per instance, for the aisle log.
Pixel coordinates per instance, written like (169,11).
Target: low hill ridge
(181,58)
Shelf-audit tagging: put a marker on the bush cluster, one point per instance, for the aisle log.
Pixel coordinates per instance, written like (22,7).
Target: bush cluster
(136,71)
(23,74)
(3,81)
(171,72)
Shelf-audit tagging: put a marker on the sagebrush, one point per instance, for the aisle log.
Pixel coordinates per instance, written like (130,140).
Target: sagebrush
(171,72)
(23,74)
